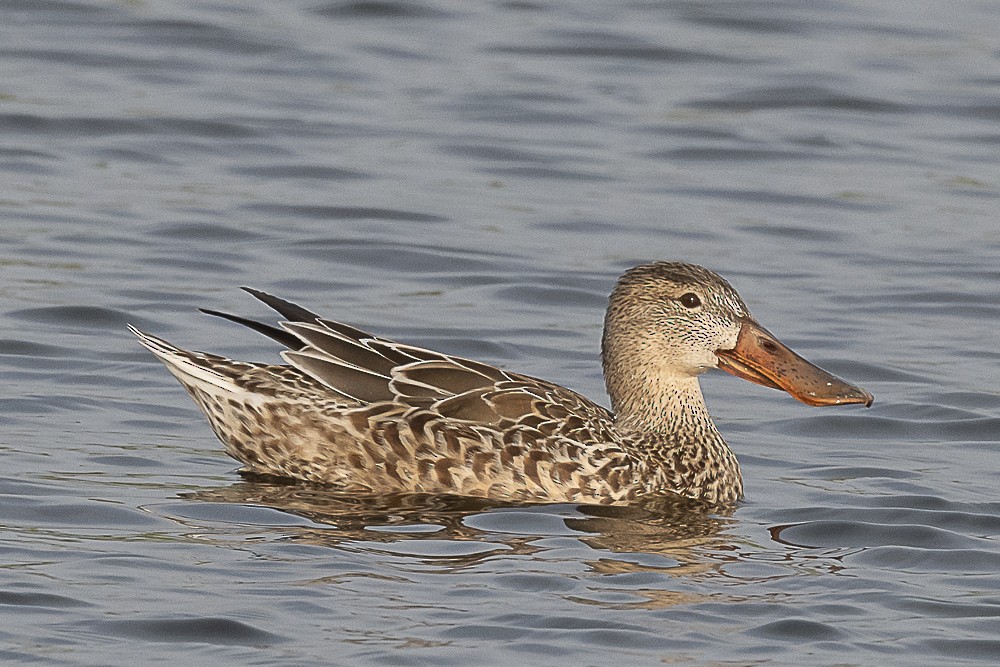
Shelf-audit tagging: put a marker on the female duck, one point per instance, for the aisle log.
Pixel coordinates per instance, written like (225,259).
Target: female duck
(372,416)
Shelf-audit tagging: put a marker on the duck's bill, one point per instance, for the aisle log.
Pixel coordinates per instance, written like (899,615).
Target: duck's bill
(761,358)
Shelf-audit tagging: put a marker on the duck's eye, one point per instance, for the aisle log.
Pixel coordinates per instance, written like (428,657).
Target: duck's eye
(690,300)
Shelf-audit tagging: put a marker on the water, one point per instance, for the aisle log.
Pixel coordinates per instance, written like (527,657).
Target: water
(473,177)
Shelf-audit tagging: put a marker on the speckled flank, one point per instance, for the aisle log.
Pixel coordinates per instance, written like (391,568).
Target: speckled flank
(373,416)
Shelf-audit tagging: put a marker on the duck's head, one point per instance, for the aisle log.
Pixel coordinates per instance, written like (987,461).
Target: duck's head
(671,321)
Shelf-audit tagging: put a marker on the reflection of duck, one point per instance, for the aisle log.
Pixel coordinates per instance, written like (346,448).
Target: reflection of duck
(673,528)
(372,416)
(388,517)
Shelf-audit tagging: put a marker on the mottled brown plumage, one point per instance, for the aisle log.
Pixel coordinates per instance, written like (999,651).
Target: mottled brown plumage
(373,416)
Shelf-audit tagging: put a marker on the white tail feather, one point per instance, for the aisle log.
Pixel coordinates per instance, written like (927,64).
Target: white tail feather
(183,365)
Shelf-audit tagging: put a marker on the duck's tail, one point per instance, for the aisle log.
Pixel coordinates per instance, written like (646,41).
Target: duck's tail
(195,370)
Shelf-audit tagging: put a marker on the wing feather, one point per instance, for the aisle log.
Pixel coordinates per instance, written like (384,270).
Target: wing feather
(349,350)
(352,382)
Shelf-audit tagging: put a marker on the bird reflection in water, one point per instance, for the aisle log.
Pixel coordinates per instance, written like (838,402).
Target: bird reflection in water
(668,535)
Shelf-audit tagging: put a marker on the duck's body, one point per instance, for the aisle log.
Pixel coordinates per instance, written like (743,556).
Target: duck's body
(372,416)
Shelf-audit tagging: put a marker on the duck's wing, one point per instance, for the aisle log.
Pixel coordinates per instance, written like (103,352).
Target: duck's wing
(368,369)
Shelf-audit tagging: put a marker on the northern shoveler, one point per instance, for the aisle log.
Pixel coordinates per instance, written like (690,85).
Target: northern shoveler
(372,416)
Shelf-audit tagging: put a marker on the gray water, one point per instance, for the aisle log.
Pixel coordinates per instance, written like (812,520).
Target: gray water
(473,177)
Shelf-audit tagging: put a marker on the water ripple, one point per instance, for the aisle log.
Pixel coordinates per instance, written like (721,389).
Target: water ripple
(209,630)
(797,97)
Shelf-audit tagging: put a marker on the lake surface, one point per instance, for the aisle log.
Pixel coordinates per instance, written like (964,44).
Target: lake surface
(474,177)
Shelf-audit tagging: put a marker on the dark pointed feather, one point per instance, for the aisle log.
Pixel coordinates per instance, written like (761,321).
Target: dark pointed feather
(287,309)
(280,335)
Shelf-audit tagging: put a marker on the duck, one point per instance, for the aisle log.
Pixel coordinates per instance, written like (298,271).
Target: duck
(370,416)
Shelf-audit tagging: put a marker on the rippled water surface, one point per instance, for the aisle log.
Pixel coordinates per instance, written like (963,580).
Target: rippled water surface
(473,177)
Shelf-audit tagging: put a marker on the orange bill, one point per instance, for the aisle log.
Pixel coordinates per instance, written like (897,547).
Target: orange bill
(761,358)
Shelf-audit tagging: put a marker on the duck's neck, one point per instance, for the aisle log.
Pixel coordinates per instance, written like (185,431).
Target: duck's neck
(666,417)
(668,405)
